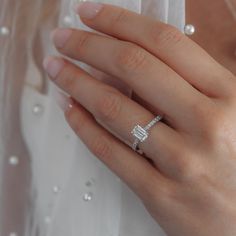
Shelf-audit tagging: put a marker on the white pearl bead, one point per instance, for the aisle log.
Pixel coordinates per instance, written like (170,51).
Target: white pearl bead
(13,160)
(56,189)
(189,29)
(37,109)
(4,31)
(13,234)
(88,196)
(67,20)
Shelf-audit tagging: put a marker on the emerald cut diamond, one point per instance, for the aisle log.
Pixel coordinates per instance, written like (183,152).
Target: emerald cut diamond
(140,133)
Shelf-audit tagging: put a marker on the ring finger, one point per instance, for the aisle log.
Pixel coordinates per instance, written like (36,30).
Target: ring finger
(116,112)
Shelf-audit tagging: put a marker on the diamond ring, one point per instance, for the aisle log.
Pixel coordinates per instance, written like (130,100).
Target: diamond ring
(141,134)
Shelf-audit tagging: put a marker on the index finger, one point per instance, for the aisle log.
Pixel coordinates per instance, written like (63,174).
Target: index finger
(166,42)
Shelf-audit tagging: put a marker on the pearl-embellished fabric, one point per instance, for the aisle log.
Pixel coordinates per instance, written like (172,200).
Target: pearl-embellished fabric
(189,29)
(50,184)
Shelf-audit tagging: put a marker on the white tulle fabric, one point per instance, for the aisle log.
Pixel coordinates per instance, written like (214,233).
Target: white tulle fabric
(50,155)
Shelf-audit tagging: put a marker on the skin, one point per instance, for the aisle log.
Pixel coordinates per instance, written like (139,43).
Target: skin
(187,177)
(207,17)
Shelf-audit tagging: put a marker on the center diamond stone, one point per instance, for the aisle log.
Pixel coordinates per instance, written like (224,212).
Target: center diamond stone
(140,133)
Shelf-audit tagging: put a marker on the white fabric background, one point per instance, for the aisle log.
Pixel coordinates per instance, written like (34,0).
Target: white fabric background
(57,157)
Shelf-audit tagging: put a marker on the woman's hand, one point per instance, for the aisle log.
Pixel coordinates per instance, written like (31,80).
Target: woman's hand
(187,178)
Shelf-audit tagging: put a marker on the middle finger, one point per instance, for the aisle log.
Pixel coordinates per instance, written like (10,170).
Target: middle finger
(150,78)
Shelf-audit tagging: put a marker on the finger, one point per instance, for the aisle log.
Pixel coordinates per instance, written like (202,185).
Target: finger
(120,115)
(137,172)
(166,42)
(153,80)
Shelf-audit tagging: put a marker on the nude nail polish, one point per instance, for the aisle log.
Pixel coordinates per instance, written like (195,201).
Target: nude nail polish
(88,10)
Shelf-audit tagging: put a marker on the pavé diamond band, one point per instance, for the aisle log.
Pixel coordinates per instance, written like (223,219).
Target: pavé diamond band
(141,134)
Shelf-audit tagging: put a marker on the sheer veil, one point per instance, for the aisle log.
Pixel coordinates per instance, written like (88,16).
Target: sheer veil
(23,47)
(22,51)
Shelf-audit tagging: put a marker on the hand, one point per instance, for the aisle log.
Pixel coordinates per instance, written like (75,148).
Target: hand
(187,177)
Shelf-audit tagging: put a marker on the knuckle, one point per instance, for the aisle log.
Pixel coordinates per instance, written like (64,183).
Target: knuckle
(213,124)
(189,170)
(119,18)
(67,79)
(109,105)
(165,35)
(101,147)
(132,58)
(82,41)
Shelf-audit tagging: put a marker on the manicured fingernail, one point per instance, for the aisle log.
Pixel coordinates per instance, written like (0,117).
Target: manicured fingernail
(88,10)
(60,36)
(53,65)
(65,102)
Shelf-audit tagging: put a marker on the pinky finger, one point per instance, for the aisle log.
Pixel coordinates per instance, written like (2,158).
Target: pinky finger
(137,172)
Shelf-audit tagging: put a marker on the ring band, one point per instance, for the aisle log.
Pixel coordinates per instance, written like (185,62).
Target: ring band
(141,134)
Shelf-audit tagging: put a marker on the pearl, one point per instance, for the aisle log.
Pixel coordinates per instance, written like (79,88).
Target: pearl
(189,29)
(88,196)
(13,234)
(13,160)
(37,109)
(67,20)
(4,31)
(56,189)
(48,220)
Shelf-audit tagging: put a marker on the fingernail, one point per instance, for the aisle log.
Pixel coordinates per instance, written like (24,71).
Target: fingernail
(60,36)
(53,65)
(88,10)
(65,103)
